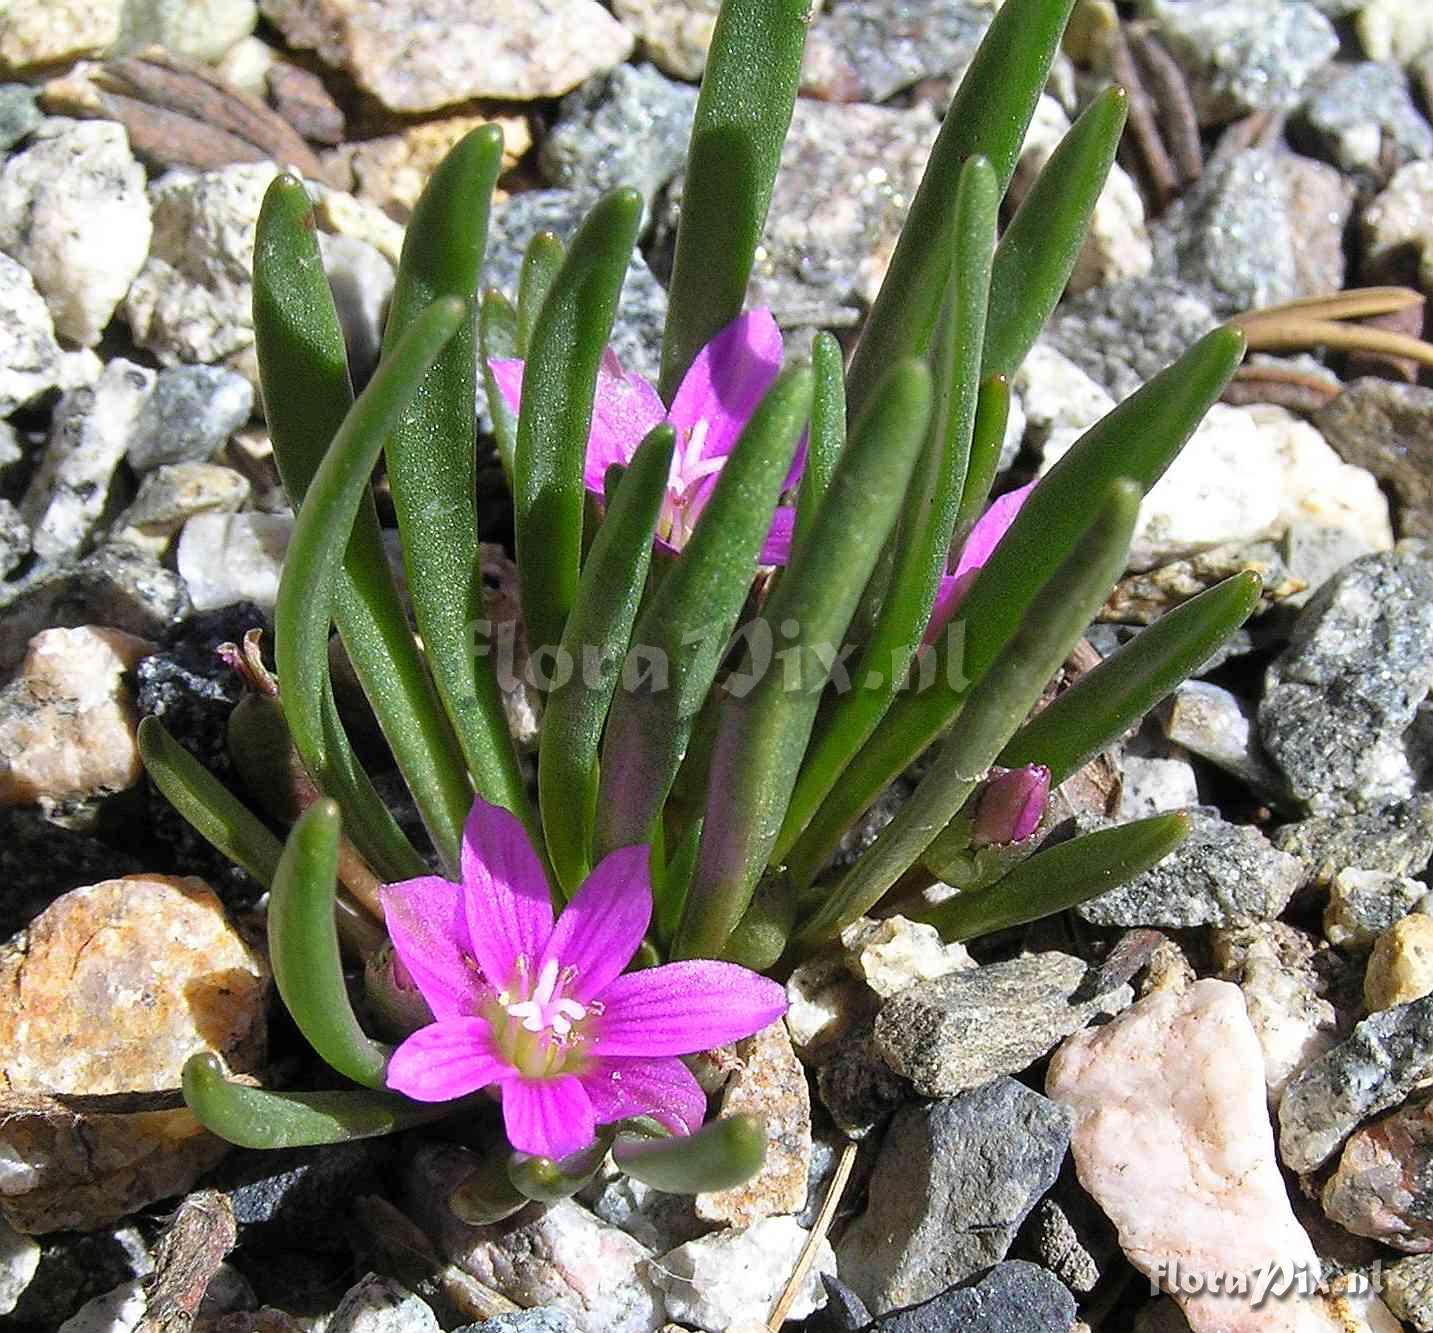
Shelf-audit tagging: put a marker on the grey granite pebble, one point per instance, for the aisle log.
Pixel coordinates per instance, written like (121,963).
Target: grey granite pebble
(954,1181)
(1220,874)
(1340,697)
(18,113)
(962,1030)
(1364,119)
(189,416)
(1014,1297)
(1387,1056)
(1408,1291)
(1396,838)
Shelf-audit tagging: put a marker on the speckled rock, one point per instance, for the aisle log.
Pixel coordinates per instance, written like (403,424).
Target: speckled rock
(1397,228)
(419,57)
(674,33)
(1061,402)
(172,494)
(731,1279)
(14,538)
(148,970)
(1172,1140)
(197,29)
(70,492)
(893,953)
(19,114)
(1364,903)
(1247,57)
(1220,874)
(1365,119)
(381,1305)
(1387,1056)
(630,129)
(73,211)
(41,33)
(954,1180)
(770,1083)
(1408,1291)
(1387,428)
(67,722)
(1014,1297)
(961,1031)
(869,50)
(1125,333)
(824,1002)
(31,361)
(191,301)
(191,413)
(1339,698)
(1381,1188)
(228,558)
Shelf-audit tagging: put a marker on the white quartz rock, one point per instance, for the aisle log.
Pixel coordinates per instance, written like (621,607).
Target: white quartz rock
(1172,1138)
(228,558)
(892,954)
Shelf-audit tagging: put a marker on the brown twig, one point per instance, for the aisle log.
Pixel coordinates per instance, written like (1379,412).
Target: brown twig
(824,1218)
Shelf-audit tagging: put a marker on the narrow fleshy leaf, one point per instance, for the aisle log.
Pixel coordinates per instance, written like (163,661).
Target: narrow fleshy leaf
(308,586)
(989,115)
(764,731)
(550,1180)
(497,341)
(1104,703)
(595,642)
(744,110)
(303,949)
(1062,877)
(828,428)
(1038,250)
(684,1007)
(300,348)
(559,385)
(207,804)
(760,937)
(540,264)
(432,459)
(256,1118)
(682,634)
(505,893)
(548,1117)
(897,603)
(1137,440)
(726,1152)
(1054,620)
(986,445)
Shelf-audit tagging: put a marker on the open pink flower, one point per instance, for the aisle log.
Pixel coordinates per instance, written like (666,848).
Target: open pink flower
(540,1008)
(713,404)
(984,537)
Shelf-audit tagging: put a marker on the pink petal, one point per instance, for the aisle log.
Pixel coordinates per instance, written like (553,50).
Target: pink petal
(505,892)
(600,929)
(776,549)
(684,1007)
(429,931)
(447,1059)
(548,1117)
(507,374)
(798,463)
(984,537)
(728,379)
(663,1089)
(625,408)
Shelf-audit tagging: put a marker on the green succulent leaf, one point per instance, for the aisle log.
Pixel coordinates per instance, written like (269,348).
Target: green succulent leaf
(765,728)
(488,1195)
(214,812)
(303,948)
(256,1118)
(684,629)
(725,1152)
(555,419)
(1038,250)
(987,440)
(550,1181)
(828,430)
(1137,440)
(594,644)
(1062,877)
(541,263)
(748,92)
(1050,623)
(432,459)
(1105,702)
(302,362)
(920,552)
(989,115)
(497,341)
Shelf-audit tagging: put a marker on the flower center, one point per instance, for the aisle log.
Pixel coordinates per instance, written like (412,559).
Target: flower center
(538,1027)
(678,515)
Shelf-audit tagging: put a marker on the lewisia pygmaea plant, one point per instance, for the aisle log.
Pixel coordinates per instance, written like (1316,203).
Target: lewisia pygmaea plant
(764,589)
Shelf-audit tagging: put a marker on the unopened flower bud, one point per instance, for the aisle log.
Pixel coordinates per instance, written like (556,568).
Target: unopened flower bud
(1011,805)
(397,1006)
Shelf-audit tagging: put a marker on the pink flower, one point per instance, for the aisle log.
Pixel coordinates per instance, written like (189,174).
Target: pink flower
(540,1008)
(984,537)
(712,405)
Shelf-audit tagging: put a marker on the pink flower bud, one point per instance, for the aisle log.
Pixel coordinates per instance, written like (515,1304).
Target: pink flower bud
(1010,807)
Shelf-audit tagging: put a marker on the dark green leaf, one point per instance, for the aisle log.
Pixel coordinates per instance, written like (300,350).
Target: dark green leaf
(828,430)
(549,1181)
(540,265)
(497,341)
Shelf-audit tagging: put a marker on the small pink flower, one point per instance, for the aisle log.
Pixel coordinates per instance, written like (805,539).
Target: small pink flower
(1010,807)
(984,537)
(541,1010)
(712,405)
